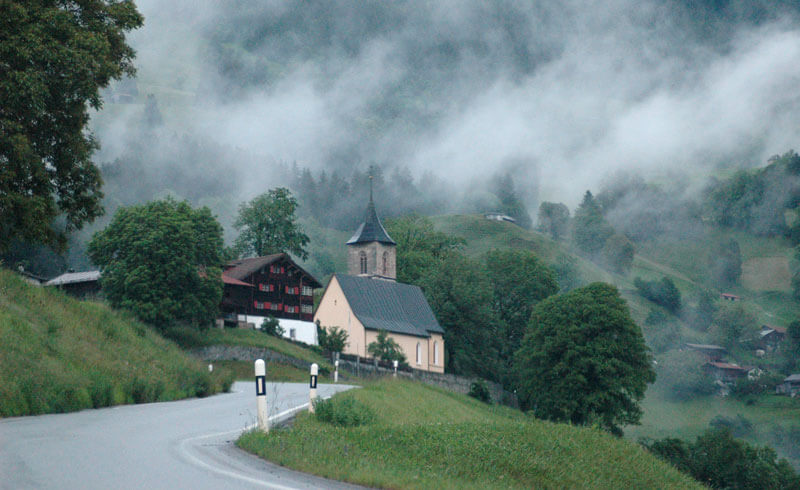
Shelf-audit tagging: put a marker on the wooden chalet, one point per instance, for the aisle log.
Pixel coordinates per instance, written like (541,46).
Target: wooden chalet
(771,336)
(273,285)
(725,371)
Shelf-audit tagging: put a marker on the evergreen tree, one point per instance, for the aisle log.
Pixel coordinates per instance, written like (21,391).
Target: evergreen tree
(590,230)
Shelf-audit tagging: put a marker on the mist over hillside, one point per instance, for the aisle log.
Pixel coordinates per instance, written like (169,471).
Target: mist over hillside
(559,95)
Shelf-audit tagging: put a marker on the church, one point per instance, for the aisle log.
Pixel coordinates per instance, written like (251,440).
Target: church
(369,299)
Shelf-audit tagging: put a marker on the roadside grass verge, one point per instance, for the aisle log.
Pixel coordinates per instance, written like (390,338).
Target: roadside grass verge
(58,354)
(424,437)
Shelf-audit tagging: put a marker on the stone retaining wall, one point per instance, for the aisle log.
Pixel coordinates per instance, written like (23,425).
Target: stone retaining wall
(240,353)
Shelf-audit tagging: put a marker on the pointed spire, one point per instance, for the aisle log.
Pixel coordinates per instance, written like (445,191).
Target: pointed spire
(371,229)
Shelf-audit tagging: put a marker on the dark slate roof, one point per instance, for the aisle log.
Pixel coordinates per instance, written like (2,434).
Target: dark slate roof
(388,305)
(371,230)
(241,268)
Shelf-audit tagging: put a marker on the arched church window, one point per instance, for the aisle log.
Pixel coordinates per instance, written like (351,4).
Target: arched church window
(419,353)
(435,353)
(363,259)
(385,263)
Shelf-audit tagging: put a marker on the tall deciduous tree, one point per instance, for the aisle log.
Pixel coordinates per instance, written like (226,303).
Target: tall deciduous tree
(162,260)
(54,58)
(420,248)
(267,225)
(520,280)
(460,294)
(584,360)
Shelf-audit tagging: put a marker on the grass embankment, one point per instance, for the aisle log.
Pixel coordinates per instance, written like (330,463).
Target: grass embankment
(423,437)
(276,371)
(58,354)
(191,338)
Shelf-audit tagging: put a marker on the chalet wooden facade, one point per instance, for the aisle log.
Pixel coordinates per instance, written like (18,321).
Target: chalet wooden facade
(273,285)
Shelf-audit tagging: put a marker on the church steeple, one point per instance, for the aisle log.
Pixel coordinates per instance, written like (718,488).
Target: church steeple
(371,251)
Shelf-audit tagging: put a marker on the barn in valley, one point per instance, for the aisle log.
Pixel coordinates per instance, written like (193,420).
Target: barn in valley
(270,286)
(369,300)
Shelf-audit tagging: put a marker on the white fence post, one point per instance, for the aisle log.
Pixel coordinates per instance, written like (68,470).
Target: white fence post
(312,392)
(395,368)
(336,371)
(261,395)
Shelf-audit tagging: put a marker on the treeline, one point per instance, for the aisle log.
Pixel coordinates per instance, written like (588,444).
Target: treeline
(336,199)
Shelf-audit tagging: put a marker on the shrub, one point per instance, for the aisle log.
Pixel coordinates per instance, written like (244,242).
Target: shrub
(480,390)
(662,292)
(343,412)
(386,349)
(739,426)
(272,326)
(720,461)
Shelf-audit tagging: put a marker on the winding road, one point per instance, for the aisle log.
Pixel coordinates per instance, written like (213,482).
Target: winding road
(173,445)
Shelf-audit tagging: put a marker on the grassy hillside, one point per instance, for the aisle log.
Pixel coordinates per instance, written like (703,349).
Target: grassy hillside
(58,354)
(763,288)
(422,437)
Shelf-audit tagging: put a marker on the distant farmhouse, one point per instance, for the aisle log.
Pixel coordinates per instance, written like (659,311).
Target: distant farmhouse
(272,285)
(79,284)
(370,300)
(790,386)
(771,336)
(499,217)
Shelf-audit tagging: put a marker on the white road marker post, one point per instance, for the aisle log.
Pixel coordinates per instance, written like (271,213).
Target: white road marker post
(261,395)
(336,371)
(312,392)
(395,368)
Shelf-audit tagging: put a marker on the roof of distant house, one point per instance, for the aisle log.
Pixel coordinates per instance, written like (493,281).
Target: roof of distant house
(727,365)
(241,268)
(705,347)
(775,328)
(235,282)
(74,278)
(792,378)
(729,295)
(388,305)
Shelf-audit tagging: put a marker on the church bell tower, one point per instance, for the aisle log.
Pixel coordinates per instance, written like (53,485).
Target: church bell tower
(371,252)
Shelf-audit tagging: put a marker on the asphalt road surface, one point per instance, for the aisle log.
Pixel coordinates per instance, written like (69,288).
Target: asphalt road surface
(174,445)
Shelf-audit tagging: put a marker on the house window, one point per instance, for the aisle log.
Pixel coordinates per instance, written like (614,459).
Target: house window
(275,306)
(363,260)
(259,305)
(419,353)
(385,263)
(307,291)
(293,333)
(435,353)
(306,308)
